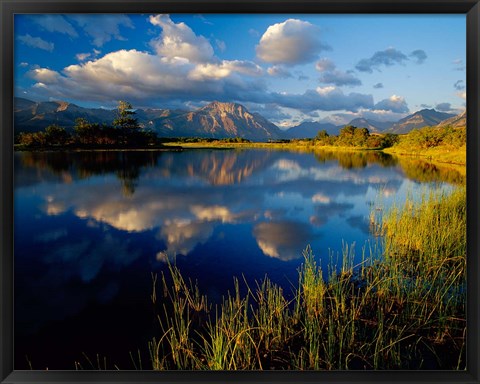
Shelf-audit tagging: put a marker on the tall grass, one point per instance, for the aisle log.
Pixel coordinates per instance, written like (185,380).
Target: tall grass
(403,307)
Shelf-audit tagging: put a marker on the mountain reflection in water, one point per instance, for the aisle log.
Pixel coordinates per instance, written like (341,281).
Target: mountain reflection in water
(90,227)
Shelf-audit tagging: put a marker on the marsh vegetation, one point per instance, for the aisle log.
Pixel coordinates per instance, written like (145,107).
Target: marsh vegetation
(402,307)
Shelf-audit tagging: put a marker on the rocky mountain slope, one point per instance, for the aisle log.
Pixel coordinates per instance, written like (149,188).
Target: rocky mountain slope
(423,118)
(216,120)
(455,121)
(219,120)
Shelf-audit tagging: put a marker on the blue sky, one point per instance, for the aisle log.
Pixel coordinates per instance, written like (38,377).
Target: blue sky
(289,68)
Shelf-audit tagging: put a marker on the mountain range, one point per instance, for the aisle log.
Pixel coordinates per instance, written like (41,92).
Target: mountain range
(217,120)
(423,118)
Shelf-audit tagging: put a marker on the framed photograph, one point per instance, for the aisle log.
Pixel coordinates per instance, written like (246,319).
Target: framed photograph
(248,191)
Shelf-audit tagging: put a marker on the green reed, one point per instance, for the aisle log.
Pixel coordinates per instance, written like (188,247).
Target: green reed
(402,307)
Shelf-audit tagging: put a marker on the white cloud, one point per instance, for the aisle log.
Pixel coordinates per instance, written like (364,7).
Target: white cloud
(283,239)
(182,236)
(55,23)
(331,75)
(327,98)
(103,28)
(213,213)
(178,40)
(388,57)
(321,198)
(291,42)
(139,75)
(44,75)
(180,77)
(325,65)
(371,114)
(278,71)
(220,45)
(36,42)
(224,69)
(394,104)
(340,78)
(82,56)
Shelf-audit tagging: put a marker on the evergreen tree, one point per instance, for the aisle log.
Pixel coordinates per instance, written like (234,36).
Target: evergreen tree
(126,122)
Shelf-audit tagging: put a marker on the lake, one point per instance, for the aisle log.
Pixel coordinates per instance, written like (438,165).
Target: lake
(92,227)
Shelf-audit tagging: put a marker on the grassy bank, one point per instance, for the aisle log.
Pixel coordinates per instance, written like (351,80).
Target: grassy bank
(440,154)
(439,144)
(402,308)
(444,154)
(303,144)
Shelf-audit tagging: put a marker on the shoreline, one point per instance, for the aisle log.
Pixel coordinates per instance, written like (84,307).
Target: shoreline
(438,156)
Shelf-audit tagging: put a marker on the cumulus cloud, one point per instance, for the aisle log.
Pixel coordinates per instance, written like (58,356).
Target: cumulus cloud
(182,236)
(388,57)
(183,76)
(290,43)
(224,69)
(213,213)
(282,239)
(419,56)
(117,74)
(139,75)
(55,23)
(378,86)
(178,40)
(44,75)
(394,103)
(36,42)
(103,28)
(278,71)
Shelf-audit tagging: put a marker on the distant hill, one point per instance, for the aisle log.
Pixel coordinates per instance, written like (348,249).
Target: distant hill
(423,118)
(30,116)
(371,125)
(309,129)
(217,120)
(455,121)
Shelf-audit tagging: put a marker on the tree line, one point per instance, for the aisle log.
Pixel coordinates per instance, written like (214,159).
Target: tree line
(124,131)
(351,136)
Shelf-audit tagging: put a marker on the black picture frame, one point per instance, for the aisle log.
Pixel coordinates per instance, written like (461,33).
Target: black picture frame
(471,8)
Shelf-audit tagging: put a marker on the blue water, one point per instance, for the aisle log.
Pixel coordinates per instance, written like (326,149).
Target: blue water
(91,227)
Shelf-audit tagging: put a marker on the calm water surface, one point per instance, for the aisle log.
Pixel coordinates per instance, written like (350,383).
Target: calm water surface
(91,227)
